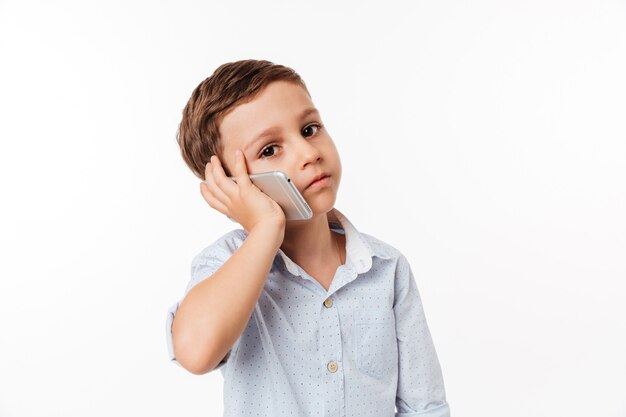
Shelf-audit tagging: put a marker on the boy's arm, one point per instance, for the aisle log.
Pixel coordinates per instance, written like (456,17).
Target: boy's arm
(214,313)
(420,390)
(171,314)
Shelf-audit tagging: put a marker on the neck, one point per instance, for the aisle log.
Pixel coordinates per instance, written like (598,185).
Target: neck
(311,242)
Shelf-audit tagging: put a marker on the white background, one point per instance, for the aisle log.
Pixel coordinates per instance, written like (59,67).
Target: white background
(486,140)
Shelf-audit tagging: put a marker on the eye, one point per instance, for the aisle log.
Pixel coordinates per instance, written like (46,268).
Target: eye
(309,127)
(264,154)
(315,127)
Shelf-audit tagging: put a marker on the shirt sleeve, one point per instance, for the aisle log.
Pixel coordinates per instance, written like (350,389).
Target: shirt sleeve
(202,267)
(420,391)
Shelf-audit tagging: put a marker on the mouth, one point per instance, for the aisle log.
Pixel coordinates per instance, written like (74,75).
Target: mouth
(318,178)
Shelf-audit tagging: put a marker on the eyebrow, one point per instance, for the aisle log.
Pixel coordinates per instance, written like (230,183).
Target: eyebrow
(275,129)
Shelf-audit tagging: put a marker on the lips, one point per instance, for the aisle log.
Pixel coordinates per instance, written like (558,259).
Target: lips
(319,177)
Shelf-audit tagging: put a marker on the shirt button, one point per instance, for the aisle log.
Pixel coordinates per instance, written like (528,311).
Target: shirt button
(332,366)
(328,303)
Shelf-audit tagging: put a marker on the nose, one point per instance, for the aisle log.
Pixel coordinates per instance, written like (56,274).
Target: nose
(306,152)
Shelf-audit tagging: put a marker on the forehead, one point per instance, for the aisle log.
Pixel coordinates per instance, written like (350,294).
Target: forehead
(279,105)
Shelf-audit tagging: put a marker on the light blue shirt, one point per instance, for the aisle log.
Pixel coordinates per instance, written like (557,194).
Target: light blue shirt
(362,348)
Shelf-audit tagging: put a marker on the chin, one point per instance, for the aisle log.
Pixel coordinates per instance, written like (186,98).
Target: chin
(322,204)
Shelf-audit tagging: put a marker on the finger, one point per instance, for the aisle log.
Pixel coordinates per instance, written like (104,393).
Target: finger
(211,200)
(241,170)
(227,184)
(207,169)
(211,183)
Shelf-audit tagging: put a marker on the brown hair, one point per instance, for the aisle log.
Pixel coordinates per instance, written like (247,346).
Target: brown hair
(231,84)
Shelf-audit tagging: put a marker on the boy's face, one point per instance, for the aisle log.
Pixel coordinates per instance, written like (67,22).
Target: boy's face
(298,144)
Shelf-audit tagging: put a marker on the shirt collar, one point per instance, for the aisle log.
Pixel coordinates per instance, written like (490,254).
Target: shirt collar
(359,251)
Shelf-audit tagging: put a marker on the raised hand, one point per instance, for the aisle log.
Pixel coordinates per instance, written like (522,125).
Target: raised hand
(240,199)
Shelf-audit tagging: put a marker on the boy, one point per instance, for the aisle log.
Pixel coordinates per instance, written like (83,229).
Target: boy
(307,317)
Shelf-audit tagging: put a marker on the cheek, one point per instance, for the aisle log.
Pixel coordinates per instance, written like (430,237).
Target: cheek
(334,155)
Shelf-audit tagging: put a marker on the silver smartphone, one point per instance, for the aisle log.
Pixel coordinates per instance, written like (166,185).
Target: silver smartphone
(278,186)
